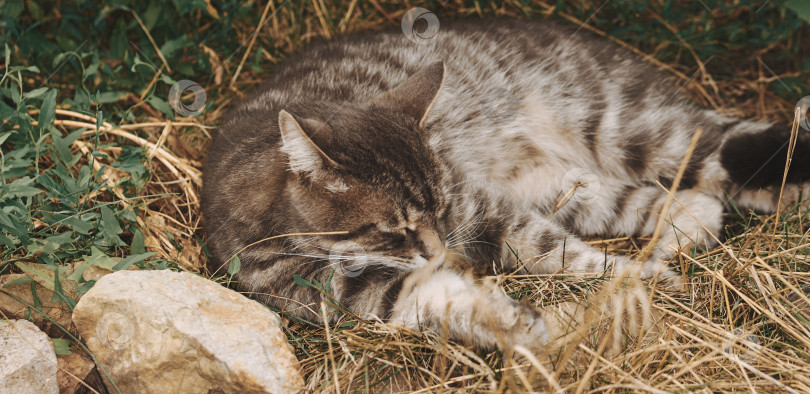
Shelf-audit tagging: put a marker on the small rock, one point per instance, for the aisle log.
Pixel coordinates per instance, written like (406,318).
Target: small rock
(27,359)
(163,331)
(73,369)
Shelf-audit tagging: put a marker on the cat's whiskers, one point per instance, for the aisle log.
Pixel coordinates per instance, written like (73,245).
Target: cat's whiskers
(309,242)
(464,232)
(469,242)
(308,248)
(461,227)
(453,187)
(314,256)
(358,269)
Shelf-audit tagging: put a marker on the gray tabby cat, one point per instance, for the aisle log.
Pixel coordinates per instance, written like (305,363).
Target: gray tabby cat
(405,149)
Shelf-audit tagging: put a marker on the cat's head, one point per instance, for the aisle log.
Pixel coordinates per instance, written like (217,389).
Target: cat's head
(366,168)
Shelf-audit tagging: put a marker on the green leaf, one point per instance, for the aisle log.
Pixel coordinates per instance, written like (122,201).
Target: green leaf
(20,188)
(234,265)
(40,273)
(110,227)
(84,287)
(35,296)
(58,59)
(59,292)
(800,7)
(52,243)
(12,225)
(161,105)
(92,69)
(167,79)
(35,93)
(187,6)
(109,221)
(80,226)
(18,281)
(151,15)
(35,10)
(6,241)
(47,112)
(61,346)
(62,145)
(302,282)
(170,47)
(109,97)
(99,119)
(97,258)
(132,259)
(348,325)
(137,246)
(15,96)
(328,285)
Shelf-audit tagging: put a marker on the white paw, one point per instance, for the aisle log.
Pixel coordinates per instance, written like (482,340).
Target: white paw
(534,337)
(661,272)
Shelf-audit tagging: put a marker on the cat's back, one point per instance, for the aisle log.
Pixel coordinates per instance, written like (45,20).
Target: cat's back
(479,54)
(476,53)
(544,67)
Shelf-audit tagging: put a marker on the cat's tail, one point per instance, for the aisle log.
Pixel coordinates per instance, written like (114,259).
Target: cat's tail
(754,154)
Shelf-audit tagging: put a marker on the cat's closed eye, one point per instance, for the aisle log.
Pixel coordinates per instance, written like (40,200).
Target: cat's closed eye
(392,227)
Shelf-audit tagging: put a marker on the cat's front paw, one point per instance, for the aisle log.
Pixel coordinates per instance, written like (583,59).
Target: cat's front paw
(654,270)
(659,271)
(524,326)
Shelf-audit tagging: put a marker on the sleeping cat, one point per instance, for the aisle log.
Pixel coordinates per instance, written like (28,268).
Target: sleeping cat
(391,170)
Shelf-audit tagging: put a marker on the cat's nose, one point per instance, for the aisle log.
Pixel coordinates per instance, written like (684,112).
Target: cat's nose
(437,259)
(434,259)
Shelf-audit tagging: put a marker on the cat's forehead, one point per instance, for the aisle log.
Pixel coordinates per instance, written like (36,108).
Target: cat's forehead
(392,202)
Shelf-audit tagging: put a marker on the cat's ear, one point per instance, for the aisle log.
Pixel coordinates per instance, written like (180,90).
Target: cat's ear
(417,94)
(302,152)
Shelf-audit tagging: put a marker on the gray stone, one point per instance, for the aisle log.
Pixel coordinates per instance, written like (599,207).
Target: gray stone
(27,360)
(163,331)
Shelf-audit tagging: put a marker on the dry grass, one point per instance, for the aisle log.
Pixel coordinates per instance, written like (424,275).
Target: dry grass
(740,323)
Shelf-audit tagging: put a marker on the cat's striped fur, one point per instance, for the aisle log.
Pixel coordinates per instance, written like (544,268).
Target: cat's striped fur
(398,144)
